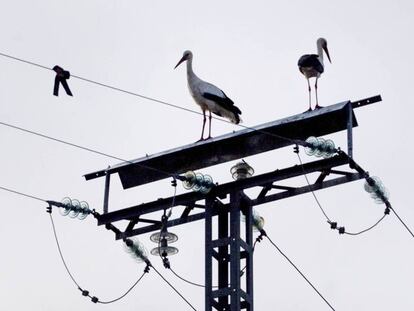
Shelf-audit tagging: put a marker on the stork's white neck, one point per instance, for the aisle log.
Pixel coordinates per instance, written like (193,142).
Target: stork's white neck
(320,52)
(191,76)
(190,71)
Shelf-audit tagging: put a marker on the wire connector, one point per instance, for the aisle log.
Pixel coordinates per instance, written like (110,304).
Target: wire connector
(341,230)
(94,299)
(166,262)
(261,235)
(49,209)
(296,148)
(333,224)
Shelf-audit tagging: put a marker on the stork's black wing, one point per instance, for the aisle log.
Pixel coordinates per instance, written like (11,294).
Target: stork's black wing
(310,60)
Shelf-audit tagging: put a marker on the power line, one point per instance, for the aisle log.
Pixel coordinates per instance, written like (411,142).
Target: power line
(295,141)
(61,254)
(300,272)
(367,229)
(313,193)
(127,292)
(22,194)
(185,280)
(334,224)
(84,148)
(85,292)
(25,61)
(399,218)
(176,290)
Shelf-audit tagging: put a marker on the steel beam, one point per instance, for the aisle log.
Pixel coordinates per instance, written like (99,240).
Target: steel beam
(260,200)
(106,192)
(191,197)
(209,253)
(307,188)
(236,145)
(235,295)
(349,128)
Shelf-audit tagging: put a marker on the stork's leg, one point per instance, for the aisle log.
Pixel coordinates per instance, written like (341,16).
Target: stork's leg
(209,124)
(204,124)
(309,90)
(316,94)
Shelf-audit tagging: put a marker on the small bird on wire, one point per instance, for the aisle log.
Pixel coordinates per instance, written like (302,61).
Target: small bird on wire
(312,66)
(209,97)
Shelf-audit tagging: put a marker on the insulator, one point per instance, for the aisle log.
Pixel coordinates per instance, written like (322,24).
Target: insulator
(319,152)
(320,147)
(380,196)
(241,170)
(372,184)
(67,202)
(136,249)
(312,141)
(164,251)
(84,210)
(258,223)
(198,182)
(75,209)
(257,220)
(329,148)
(207,184)
(376,189)
(168,236)
(190,180)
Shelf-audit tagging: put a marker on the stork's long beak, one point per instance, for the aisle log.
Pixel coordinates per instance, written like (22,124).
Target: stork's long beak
(325,48)
(181,60)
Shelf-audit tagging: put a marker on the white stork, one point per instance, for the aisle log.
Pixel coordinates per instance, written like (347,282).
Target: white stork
(209,97)
(311,66)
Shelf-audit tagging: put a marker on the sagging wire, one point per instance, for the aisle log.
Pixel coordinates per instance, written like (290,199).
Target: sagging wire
(85,292)
(187,281)
(334,225)
(139,251)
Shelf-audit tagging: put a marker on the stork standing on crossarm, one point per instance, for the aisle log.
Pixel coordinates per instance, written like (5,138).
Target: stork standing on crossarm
(209,97)
(311,66)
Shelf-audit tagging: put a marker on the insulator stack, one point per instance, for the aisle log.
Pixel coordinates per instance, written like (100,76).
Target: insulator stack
(241,170)
(258,221)
(74,208)
(198,182)
(320,147)
(136,249)
(163,238)
(376,189)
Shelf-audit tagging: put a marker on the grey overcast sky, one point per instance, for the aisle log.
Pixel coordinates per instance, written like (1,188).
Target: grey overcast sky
(250,50)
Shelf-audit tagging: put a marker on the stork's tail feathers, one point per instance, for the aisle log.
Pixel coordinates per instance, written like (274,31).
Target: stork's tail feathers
(236,119)
(236,112)
(233,114)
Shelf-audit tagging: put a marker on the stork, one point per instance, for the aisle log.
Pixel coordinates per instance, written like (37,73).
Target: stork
(311,66)
(209,97)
